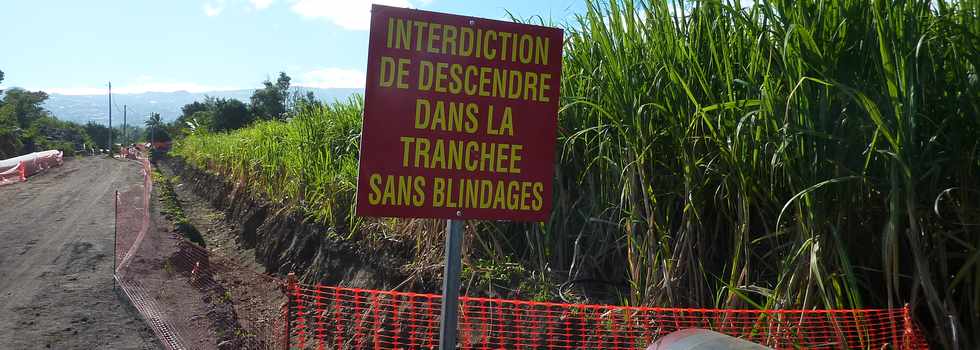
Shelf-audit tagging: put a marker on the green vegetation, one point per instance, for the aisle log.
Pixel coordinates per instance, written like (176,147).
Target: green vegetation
(271,102)
(26,127)
(786,154)
(99,134)
(172,209)
(156,130)
(48,132)
(310,161)
(212,114)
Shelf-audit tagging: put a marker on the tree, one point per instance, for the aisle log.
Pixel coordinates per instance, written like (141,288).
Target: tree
(213,114)
(49,132)
(191,119)
(18,110)
(230,114)
(10,144)
(188,110)
(156,129)
(25,126)
(23,106)
(301,99)
(202,120)
(100,134)
(269,102)
(153,121)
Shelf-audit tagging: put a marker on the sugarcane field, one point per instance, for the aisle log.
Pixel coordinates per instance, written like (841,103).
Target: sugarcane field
(433,174)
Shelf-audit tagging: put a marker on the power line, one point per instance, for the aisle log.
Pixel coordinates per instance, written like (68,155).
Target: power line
(117,107)
(131,109)
(110,117)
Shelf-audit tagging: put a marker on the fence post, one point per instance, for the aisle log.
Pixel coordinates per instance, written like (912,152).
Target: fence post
(907,336)
(287,326)
(115,235)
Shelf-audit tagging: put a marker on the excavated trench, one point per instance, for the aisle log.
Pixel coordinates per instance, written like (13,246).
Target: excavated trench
(283,241)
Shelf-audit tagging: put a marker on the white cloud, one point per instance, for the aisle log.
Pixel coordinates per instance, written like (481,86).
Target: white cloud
(214,8)
(77,91)
(137,89)
(348,14)
(332,78)
(261,4)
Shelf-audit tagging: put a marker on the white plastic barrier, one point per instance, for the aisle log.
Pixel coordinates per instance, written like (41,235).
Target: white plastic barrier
(18,169)
(11,174)
(703,339)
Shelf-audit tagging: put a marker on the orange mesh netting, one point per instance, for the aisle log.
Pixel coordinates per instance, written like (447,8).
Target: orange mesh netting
(18,169)
(164,276)
(132,208)
(324,317)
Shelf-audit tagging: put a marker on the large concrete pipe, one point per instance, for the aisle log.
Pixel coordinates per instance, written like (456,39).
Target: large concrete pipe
(702,339)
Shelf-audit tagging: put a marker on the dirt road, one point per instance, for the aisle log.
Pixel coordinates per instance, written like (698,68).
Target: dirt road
(56,249)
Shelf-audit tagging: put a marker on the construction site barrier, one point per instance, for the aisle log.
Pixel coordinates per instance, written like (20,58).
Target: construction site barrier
(133,152)
(18,169)
(150,273)
(325,317)
(162,145)
(330,317)
(132,215)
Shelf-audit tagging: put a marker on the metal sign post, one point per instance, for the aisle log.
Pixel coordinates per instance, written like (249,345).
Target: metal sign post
(459,124)
(450,285)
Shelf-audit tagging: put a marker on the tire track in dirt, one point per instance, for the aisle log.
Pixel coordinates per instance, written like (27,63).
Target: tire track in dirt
(55,244)
(56,287)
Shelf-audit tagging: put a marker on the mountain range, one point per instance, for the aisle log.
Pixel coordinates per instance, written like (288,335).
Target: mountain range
(85,108)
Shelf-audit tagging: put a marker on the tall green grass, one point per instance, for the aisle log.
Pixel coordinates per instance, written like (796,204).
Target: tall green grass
(813,154)
(768,154)
(308,163)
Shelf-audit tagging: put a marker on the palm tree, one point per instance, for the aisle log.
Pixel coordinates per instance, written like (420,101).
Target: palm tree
(152,123)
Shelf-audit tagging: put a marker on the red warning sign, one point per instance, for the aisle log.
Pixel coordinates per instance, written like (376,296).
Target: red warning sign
(459,117)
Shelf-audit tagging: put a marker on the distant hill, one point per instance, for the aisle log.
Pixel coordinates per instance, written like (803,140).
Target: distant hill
(85,108)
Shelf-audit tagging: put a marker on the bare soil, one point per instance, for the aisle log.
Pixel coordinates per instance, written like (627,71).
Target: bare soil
(254,295)
(56,260)
(158,277)
(177,286)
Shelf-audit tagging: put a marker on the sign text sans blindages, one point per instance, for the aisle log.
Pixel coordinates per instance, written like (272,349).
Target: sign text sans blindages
(459,117)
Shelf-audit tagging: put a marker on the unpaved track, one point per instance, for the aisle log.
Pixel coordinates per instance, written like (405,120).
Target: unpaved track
(56,257)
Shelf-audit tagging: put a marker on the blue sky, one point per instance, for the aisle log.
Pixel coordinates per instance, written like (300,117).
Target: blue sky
(75,47)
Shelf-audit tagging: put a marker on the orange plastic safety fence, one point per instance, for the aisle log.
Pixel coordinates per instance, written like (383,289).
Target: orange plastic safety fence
(132,210)
(152,266)
(324,317)
(19,168)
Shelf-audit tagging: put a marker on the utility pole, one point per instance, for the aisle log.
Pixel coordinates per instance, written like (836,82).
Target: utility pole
(153,132)
(125,136)
(110,118)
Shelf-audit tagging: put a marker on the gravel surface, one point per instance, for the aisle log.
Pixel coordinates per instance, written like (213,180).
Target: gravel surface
(56,257)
